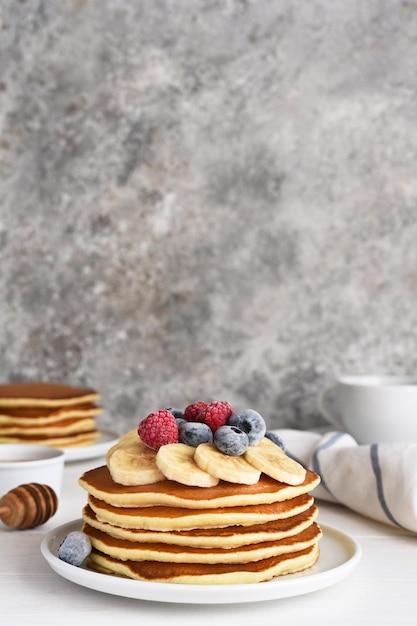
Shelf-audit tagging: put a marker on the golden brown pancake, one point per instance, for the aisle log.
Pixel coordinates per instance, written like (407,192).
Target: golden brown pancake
(216,573)
(79,439)
(131,551)
(227,537)
(30,416)
(99,484)
(164,518)
(62,427)
(145,526)
(52,414)
(44,394)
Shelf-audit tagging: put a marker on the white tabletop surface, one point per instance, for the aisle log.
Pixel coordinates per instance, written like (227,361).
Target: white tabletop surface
(382,589)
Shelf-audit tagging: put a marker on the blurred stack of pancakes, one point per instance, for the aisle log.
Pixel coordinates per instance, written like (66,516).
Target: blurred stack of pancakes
(46,413)
(229,533)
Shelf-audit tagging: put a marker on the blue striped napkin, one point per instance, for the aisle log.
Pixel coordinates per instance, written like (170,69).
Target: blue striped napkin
(377,480)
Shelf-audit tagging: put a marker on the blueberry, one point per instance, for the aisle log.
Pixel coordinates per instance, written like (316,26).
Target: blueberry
(75,548)
(275,439)
(194,433)
(177,413)
(251,423)
(231,440)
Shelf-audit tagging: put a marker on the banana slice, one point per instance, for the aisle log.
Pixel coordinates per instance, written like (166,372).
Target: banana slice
(271,460)
(127,439)
(233,469)
(176,462)
(133,464)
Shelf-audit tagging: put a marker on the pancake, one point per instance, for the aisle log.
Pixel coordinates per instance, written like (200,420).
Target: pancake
(126,550)
(79,439)
(164,518)
(30,416)
(152,516)
(207,574)
(66,426)
(51,414)
(227,537)
(98,483)
(44,394)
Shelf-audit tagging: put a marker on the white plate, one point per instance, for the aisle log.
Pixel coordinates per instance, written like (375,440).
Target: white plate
(339,554)
(105,440)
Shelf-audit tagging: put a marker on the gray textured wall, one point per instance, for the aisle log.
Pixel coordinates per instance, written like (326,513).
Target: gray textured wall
(205,199)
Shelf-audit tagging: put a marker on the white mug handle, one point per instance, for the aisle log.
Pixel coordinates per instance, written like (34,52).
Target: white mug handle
(326,405)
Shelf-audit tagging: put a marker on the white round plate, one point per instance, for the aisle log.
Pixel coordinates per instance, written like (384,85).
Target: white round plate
(339,554)
(105,440)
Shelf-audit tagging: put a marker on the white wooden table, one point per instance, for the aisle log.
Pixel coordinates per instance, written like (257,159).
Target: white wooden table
(381,590)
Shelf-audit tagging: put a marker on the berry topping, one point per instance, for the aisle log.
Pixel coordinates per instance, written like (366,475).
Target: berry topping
(177,413)
(192,411)
(194,433)
(275,439)
(215,414)
(75,548)
(158,429)
(251,422)
(231,440)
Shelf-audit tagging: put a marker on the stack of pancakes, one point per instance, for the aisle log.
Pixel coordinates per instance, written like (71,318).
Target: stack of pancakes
(174,533)
(48,413)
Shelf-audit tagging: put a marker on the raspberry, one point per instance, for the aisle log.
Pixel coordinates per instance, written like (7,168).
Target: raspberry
(193,410)
(158,429)
(215,414)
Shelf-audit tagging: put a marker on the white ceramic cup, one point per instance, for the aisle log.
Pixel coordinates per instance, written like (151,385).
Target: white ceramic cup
(22,463)
(373,409)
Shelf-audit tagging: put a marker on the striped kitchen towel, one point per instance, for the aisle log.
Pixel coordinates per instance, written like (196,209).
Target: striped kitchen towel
(377,480)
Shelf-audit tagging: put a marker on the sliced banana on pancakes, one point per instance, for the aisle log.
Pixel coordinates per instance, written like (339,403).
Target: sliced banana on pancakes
(233,469)
(271,460)
(133,464)
(176,462)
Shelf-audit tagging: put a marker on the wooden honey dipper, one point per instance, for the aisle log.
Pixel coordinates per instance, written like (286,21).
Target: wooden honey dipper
(28,506)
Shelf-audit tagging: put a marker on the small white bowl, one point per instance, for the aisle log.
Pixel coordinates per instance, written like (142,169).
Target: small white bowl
(22,463)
